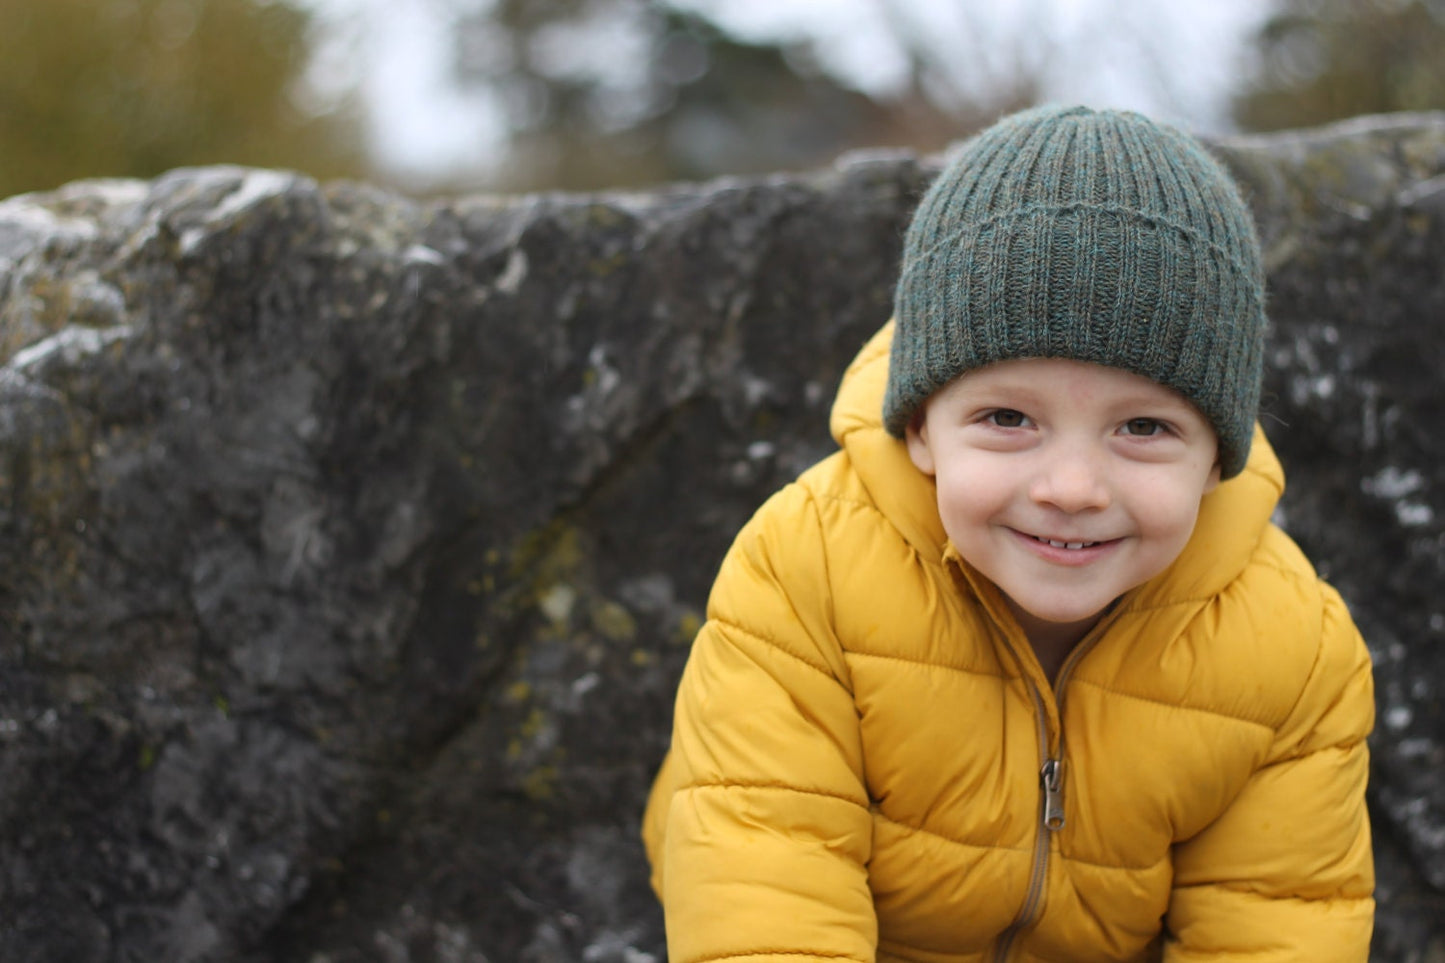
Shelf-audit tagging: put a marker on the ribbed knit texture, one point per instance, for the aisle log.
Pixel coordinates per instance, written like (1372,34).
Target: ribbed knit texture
(1100,236)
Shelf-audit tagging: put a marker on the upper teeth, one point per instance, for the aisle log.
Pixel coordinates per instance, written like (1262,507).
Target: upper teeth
(1067,544)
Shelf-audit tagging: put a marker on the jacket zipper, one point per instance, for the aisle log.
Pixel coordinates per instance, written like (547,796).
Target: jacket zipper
(1051,799)
(1051,818)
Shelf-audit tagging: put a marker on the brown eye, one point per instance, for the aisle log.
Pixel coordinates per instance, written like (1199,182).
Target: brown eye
(1142,427)
(1008,418)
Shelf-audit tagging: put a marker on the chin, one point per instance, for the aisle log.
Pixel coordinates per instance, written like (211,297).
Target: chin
(1065,615)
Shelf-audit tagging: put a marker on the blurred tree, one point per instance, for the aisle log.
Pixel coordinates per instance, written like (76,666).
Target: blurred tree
(134,87)
(1323,60)
(630,92)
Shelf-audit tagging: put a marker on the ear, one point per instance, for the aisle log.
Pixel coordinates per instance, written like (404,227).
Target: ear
(916,436)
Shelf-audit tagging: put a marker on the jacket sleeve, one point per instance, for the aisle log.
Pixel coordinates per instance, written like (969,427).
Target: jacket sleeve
(767,832)
(1286,873)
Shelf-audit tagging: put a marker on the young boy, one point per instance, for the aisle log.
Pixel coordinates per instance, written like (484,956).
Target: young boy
(1024,672)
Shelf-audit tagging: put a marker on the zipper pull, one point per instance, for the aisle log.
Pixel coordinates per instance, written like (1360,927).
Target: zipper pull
(1052,778)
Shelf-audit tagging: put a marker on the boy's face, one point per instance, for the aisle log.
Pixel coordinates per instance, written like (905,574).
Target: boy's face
(1065,483)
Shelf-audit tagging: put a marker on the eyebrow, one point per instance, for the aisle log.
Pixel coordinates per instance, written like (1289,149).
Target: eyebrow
(1028,393)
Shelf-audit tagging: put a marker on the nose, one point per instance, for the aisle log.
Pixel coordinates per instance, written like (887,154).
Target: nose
(1072,480)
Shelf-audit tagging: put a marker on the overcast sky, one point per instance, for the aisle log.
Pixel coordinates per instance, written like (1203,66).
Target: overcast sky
(1175,61)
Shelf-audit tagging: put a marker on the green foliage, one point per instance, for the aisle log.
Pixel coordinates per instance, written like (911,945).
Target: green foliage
(135,87)
(1324,60)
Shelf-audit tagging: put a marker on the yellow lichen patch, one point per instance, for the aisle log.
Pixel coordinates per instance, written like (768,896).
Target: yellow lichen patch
(518,691)
(688,627)
(613,621)
(540,570)
(642,657)
(533,724)
(551,552)
(540,784)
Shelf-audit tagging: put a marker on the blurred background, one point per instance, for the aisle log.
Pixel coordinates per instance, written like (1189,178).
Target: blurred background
(443,96)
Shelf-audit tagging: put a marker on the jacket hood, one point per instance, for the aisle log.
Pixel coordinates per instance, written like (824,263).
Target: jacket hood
(1232,517)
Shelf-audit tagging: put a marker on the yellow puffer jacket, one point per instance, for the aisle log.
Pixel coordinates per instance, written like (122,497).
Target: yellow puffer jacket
(856,763)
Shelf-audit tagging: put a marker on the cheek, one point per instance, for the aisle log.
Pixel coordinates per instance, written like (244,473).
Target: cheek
(970,497)
(1170,515)
(951,501)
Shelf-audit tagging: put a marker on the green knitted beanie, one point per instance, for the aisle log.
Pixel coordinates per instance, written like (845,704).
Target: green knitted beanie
(1100,236)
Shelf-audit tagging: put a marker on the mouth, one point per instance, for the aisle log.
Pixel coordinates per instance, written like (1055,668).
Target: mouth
(1059,543)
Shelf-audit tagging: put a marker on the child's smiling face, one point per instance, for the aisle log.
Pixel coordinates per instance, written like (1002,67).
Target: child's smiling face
(1064,483)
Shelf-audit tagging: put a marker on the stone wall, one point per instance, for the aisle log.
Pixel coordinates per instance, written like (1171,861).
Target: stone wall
(350,547)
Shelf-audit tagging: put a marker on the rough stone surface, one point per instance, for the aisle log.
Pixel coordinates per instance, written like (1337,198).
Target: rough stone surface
(350,547)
